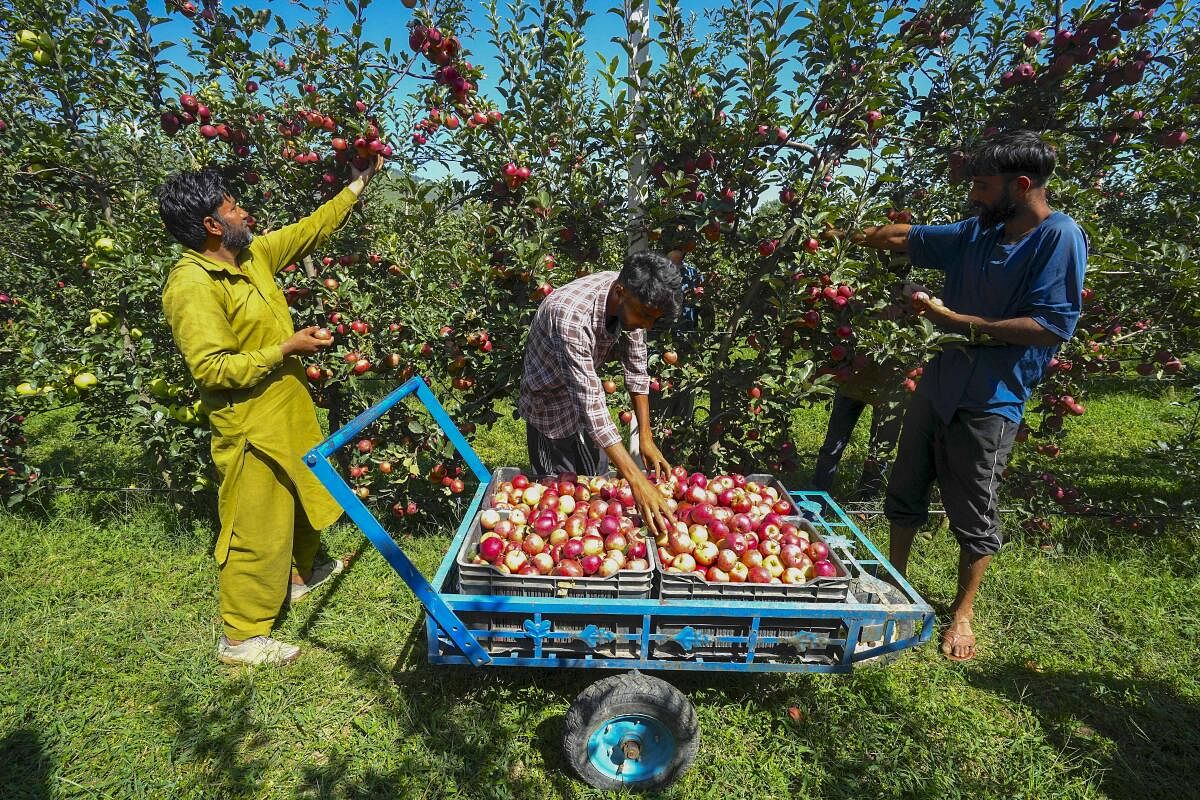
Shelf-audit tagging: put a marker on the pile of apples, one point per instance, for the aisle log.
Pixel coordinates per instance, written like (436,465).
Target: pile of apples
(728,530)
(567,526)
(732,530)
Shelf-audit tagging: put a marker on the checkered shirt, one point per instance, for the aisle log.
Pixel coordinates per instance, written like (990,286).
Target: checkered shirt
(561,391)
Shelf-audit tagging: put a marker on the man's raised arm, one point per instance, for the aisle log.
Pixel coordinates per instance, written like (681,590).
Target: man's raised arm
(881,237)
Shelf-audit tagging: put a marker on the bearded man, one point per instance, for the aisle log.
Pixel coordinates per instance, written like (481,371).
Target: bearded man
(231,322)
(1014,289)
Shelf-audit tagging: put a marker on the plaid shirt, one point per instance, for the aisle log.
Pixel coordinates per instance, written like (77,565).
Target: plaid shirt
(560,390)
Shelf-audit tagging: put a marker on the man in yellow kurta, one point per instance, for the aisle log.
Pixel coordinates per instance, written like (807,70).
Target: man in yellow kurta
(232,324)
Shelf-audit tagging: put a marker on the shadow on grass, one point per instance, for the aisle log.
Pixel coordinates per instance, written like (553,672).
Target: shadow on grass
(24,766)
(220,735)
(1141,732)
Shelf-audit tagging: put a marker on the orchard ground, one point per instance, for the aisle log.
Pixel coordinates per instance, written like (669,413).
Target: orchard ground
(1088,683)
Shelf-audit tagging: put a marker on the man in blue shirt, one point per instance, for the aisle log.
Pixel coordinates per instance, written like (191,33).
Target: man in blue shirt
(1014,284)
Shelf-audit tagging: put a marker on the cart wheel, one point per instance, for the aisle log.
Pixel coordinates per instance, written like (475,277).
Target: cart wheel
(633,731)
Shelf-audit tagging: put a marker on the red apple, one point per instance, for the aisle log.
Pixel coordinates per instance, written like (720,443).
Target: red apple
(758,575)
(491,548)
(706,553)
(515,559)
(752,558)
(569,568)
(825,569)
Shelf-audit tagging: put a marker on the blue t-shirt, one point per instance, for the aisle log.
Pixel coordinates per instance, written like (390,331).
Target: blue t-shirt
(1039,276)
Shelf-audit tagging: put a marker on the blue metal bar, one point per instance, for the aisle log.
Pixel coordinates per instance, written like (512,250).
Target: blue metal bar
(433,602)
(442,577)
(667,665)
(678,608)
(418,386)
(853,631)
(904,585)
(425,395)
(317,461)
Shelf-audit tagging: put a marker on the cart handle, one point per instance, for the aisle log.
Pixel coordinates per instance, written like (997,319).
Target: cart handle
(317,460)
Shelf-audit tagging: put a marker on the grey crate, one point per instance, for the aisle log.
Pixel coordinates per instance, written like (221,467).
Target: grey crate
(485,580)
(771,480)
(818,590)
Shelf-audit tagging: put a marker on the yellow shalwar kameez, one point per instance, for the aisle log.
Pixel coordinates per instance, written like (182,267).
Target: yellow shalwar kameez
(230,322)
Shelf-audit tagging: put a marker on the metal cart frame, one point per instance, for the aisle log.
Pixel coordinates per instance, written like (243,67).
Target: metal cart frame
(639,634)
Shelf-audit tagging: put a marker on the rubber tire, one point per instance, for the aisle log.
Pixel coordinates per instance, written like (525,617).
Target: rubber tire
(630,693)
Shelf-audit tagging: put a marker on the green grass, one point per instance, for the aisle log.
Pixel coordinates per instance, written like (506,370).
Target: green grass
(1088,682)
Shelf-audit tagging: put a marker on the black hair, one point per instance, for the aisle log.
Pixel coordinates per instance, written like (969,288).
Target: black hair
(1014,153)
(185,199)
(655,281)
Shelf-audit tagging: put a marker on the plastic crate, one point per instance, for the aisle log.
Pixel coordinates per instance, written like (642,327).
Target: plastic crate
(818,590)
(485,580)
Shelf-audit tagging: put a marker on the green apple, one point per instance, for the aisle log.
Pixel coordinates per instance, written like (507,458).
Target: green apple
(45,42)
(28,39)
(99,318)
(105,244)
(42,57)
(158,387)
(85,381)
(27,389)
(135,334)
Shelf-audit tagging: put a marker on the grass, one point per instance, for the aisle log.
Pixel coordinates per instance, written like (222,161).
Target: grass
(1087,686)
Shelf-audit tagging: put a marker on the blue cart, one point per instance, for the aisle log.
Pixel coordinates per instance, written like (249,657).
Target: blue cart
(632,729)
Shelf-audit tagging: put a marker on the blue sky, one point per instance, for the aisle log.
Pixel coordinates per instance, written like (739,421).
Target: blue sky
(389,18)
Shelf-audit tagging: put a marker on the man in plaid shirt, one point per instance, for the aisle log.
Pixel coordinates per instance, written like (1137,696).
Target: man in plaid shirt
(568,426)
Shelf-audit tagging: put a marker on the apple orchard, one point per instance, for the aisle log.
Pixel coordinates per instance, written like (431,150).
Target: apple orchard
(742,134)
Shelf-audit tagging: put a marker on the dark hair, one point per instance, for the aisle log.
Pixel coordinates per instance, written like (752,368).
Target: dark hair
(1014,153)
(185,199)
(654,280)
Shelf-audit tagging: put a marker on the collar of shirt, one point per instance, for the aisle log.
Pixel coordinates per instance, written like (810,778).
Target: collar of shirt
(600,315)
(214,265)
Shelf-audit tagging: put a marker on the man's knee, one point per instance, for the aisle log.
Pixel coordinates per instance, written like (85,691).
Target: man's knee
(905,511)
(977,540)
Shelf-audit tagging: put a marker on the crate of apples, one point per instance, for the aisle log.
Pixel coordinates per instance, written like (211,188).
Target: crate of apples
(561,536)
(741,536)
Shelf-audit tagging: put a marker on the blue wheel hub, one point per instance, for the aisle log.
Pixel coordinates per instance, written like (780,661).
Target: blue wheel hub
(632,748)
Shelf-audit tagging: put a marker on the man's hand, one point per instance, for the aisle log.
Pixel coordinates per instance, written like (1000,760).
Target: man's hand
(653,459)
(832,234)
(656,514)
(364,175)
(305,342)
(935,311)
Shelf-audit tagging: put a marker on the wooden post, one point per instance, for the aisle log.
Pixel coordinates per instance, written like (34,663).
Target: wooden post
(637,29)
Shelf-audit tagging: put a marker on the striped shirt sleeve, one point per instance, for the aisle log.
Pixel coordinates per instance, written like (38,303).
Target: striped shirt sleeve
(634,358)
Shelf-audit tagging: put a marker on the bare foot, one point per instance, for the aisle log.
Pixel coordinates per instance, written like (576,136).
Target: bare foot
(958,640)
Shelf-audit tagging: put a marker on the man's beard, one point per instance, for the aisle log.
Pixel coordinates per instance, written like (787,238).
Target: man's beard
(990,216)
(236,237)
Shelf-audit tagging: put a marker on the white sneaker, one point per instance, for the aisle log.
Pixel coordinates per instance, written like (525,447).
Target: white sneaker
(320,574)
(257,650)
